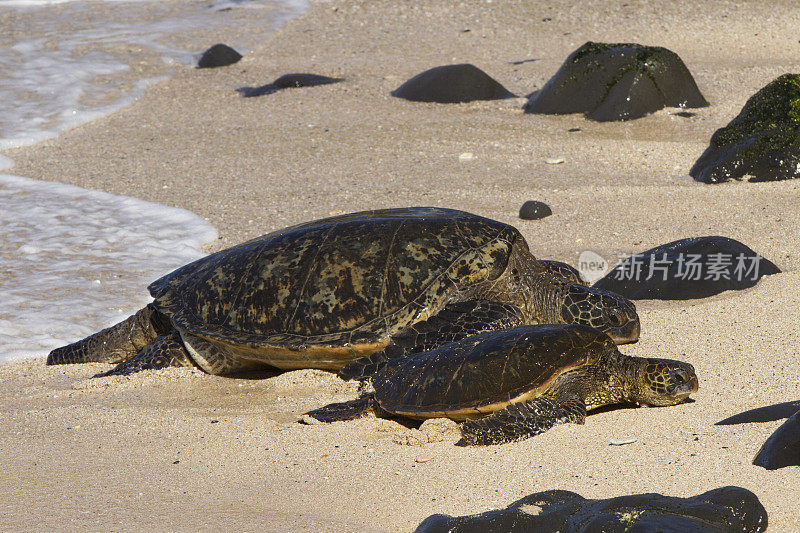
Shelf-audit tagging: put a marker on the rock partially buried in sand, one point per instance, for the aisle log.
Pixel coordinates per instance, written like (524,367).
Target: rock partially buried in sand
(534,210)
(782,448)
(303,80)
(722,509)
(763,141)
(617,82)
(219,55)
(689,268)
(288,81)
(452,84)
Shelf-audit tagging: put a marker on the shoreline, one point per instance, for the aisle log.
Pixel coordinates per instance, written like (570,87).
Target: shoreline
(181,450)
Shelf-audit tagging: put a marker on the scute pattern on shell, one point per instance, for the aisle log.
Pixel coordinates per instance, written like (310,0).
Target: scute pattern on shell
(487,369)
(364,276)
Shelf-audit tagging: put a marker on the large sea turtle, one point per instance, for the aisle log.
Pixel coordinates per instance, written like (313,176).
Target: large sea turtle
(511,384)
(325,293)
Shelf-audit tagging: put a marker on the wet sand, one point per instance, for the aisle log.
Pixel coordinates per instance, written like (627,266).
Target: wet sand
(180,450)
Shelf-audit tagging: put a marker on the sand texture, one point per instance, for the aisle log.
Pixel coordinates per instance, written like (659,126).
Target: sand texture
(181,450)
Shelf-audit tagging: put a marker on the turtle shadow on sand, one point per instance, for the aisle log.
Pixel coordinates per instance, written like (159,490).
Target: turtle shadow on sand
(256,374)
(723,509)
(287,81)
(782,448)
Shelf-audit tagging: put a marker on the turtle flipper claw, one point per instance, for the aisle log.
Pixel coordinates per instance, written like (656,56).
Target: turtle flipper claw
(521,420)
(336,412)
(165,351)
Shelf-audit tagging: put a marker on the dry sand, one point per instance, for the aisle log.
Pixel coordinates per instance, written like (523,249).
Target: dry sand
(181,450)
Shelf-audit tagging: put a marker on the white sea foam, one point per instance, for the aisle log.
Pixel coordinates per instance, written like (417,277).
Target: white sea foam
(75,260)
(64,57)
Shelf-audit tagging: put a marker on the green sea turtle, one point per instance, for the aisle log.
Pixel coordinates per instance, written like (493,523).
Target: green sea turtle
(325,293)
(508,385)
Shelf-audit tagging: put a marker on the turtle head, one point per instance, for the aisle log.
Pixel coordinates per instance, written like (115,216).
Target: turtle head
(658,382)
(611,313)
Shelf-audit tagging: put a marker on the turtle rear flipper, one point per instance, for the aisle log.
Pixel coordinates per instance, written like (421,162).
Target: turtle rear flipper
(337,412)
(521,420)
(455,322)
(116,343)
(166,351)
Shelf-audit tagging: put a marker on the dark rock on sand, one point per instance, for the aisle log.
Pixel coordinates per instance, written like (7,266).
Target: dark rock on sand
(304,80)
(689,268)
(722,509)
(617,82)
(763,141)
(782,448)
(534,210)
(219,55)
(452,84)
(288,81)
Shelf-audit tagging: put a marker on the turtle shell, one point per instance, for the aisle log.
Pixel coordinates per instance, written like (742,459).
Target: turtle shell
(344,283)
(486,372)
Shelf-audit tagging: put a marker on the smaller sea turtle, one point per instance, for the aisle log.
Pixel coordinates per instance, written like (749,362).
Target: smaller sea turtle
(512,384)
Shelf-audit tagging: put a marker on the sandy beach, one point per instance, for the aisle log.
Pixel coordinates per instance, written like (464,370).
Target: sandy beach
(181,450)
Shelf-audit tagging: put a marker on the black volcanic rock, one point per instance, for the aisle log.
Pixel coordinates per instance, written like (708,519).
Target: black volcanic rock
(288,81)
(534,210)
(782,448)
(722,509)
(452,84)
(617,82)
(689,268)
(219,55)
(303,80)
(763,141)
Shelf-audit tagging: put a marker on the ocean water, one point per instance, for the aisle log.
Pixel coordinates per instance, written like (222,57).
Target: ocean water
(73,261)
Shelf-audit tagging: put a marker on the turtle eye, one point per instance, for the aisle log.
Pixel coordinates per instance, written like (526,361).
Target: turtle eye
(615,318)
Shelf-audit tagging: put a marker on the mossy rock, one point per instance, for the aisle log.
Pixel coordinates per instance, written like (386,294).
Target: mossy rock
(696,267)
(450,84)
(722,509)
(762,142)
(609,82)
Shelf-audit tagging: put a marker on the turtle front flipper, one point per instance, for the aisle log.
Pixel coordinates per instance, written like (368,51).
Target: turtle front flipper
(453,323)
(337,412)
(166,351)
(116,343)
(525,419)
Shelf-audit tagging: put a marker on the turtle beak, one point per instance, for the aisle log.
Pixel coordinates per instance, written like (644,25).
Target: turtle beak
(685,387)
(627,334)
